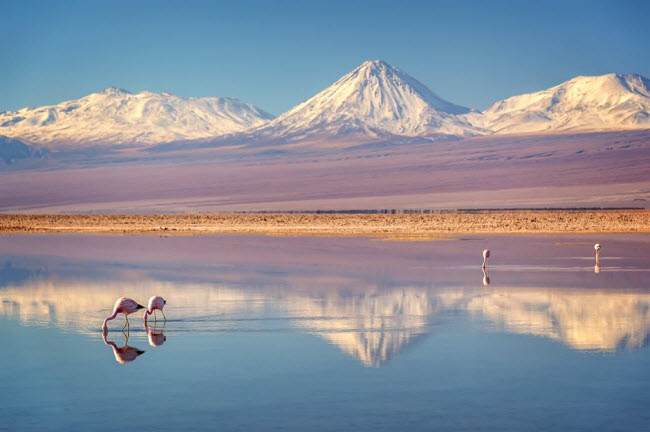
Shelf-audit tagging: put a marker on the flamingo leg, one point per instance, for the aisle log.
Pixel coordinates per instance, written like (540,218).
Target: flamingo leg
(163,312)
(155,318)
(125,323)
(128,326)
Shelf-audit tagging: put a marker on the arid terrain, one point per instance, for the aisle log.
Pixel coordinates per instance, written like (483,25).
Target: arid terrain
(381,225)
(556,171)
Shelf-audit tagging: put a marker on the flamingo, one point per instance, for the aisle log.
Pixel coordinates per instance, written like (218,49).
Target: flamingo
(155,303)
(123,354)
(486,255)
(124,306)
(597,249)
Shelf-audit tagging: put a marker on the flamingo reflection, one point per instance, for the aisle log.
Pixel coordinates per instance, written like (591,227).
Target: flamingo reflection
(156,337)
(125,353)
(486,278)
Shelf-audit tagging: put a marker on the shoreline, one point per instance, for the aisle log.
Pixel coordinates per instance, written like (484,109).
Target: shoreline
(384,225)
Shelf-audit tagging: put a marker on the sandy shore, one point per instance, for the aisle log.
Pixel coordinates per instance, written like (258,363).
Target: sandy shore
(381,225)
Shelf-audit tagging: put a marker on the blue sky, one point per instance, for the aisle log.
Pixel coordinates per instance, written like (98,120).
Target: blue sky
(275,54)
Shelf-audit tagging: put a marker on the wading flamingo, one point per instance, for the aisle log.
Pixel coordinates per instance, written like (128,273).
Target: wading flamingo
(597,249)
(486,255)
(155,303)
(124,306)
(125,353)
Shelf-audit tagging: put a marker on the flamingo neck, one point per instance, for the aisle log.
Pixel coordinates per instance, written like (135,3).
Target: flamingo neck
(108,318)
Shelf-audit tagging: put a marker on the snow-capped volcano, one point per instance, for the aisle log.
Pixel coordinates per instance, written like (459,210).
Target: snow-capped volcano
(374,99)
(584,103)
(116,116)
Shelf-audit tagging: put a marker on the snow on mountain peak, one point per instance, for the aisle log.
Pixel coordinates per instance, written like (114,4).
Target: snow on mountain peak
(584,103)
(374,99)
(116,116)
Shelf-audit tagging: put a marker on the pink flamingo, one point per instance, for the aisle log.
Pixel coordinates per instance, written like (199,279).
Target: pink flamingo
(124,306)
(155,303)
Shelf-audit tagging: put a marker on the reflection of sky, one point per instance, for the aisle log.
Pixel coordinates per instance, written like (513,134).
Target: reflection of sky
(276,334)
(373,326)
(371,313)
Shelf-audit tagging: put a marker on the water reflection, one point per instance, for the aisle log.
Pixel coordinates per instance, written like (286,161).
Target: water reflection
(125,353)
(156,337)
(372,306)
(486,278)
(373,325)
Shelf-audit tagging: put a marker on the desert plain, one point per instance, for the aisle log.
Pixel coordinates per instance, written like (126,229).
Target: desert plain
(391,225)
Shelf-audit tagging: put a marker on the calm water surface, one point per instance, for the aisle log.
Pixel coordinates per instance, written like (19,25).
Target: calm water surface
(268,333)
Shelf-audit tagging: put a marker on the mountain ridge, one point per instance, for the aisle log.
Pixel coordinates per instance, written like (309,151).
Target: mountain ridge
(374,102)
(117,116)
(583,103)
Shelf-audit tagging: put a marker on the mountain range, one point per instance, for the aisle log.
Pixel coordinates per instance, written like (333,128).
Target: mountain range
(118,117)
(374,101)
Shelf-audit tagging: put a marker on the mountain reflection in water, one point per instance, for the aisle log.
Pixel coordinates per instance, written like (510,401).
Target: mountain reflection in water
(372,300)
(373,325)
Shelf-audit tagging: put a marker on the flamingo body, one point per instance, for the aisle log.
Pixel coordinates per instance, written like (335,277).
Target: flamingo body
(123,305)
(486,255)
(155,303)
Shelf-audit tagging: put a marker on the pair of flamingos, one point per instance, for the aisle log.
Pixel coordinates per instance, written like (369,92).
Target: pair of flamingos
(486,256)
(127,306)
